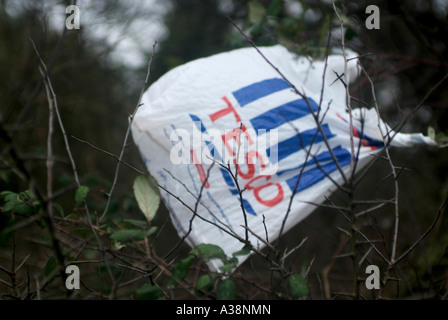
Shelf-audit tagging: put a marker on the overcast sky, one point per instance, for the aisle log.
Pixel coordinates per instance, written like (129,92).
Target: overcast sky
(131,34)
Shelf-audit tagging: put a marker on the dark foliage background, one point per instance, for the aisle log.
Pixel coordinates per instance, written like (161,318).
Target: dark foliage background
(405,58)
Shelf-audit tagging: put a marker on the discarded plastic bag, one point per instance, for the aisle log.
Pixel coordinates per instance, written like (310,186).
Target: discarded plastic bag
(230,143)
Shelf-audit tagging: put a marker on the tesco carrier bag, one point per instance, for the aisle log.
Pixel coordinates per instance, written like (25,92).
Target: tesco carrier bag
(240,156)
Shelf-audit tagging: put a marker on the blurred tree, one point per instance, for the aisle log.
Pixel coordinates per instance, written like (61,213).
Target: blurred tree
(197,28)
(93,91)
(406,58)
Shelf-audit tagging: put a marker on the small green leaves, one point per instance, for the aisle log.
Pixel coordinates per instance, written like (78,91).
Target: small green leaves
(130,230)
(441,139)
(226,290)
(205,282)
(81,194)
(148,292)
(22,203)
(180,269)
(136,223)
(59,209)
(244,251)
(147,199)
(209,252)
(130,235)
(297,286)
(229,265)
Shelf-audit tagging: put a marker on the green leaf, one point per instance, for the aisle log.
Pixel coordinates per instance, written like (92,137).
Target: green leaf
(10,199)
(81,194)
(297,286)
(147,199)
(117,245)
(257,12)
(151,231)
(4,194)
(128,235)
(229,265)
(205,282)
(180,269)
(244,251)
(226,290)
(21,204)
(51,265)
(59,209)
(137,223)
(23,209)
(209,252)
(9,206)
(440,138)
(148,292)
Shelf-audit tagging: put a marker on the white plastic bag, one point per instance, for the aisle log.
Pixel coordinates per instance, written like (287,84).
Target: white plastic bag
(196,114)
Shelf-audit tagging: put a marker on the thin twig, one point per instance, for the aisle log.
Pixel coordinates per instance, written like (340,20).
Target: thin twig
(53,98)
(195,211)
(425,234)
(49,145)
(386,142)
(353,228)
(109,154)
(56,110)
(126,137)
(201,202)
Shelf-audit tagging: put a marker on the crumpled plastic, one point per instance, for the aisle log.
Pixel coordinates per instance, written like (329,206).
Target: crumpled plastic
(230,143)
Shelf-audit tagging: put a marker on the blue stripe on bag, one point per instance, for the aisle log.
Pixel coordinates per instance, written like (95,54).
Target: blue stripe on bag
(259,90)
(225,174)
(248,207)
(288,112)
(299,141)
(317,174)
(322,157)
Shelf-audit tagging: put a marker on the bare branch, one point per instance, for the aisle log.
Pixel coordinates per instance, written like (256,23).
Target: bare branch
(128,131)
